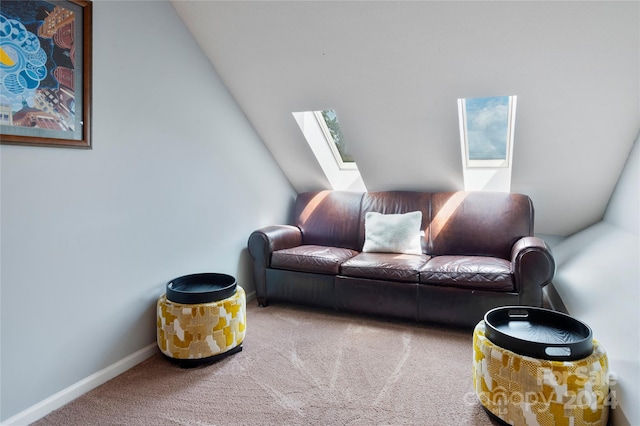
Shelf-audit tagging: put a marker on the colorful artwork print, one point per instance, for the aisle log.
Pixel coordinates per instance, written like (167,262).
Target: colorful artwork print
(38,64)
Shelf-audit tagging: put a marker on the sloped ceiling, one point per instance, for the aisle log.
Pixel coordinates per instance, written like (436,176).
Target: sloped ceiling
(394,70)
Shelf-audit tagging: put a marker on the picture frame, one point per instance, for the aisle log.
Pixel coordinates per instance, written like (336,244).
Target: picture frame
(46,73)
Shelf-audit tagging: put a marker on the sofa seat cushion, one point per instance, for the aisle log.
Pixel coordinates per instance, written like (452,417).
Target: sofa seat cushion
(311,258)
(472,272)
(385,266)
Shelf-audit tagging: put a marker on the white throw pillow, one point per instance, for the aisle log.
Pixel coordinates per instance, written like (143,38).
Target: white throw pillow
(392,233)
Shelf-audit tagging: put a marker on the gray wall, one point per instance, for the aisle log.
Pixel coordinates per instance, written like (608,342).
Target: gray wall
(624,206)
(598,279)
(175,183)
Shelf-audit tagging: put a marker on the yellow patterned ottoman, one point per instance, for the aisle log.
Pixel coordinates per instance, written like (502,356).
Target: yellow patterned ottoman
(522,390)
(200,333)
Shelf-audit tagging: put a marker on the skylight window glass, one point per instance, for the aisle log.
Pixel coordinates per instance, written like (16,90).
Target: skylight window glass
(322,132)
(333,134)
(487,130)
(486,141)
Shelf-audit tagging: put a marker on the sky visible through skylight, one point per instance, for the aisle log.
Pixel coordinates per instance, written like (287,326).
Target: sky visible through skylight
(487,127)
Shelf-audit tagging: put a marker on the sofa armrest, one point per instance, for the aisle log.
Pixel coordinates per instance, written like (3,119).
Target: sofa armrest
(266,240)
(261,244)
(533,268)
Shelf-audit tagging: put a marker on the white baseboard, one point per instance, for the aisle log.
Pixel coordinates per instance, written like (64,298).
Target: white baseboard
(67,395)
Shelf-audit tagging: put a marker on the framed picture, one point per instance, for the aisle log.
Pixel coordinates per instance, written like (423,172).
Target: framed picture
(45,73)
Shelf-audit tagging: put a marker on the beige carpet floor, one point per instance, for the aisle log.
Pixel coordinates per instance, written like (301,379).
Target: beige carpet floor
(300,366)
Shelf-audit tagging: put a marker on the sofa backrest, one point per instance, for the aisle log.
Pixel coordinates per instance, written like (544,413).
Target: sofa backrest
(329,218)
(478,223)
(395,202)
(455,223)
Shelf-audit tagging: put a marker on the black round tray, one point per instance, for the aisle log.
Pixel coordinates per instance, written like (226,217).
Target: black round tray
(201,288)
(538,333)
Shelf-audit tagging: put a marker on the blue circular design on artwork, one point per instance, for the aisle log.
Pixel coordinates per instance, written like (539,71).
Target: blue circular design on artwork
(12,85)
(18,31)
(38,72)
(28,57)
(37,58)
(5,27)
(31,43)
(28,79)
(16,56)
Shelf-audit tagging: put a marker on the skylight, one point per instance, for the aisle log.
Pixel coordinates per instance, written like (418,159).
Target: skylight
(486,138)
(324,135)
(328,121)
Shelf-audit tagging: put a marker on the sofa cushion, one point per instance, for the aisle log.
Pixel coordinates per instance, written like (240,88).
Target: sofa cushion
(385,266)
(311,258)
(393,233)
(395,202)
(473,272)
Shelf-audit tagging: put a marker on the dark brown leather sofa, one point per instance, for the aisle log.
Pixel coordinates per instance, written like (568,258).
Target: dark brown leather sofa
(478,252)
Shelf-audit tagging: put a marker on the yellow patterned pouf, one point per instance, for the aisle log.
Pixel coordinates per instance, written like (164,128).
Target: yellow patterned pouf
(202,331)
(521,390)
